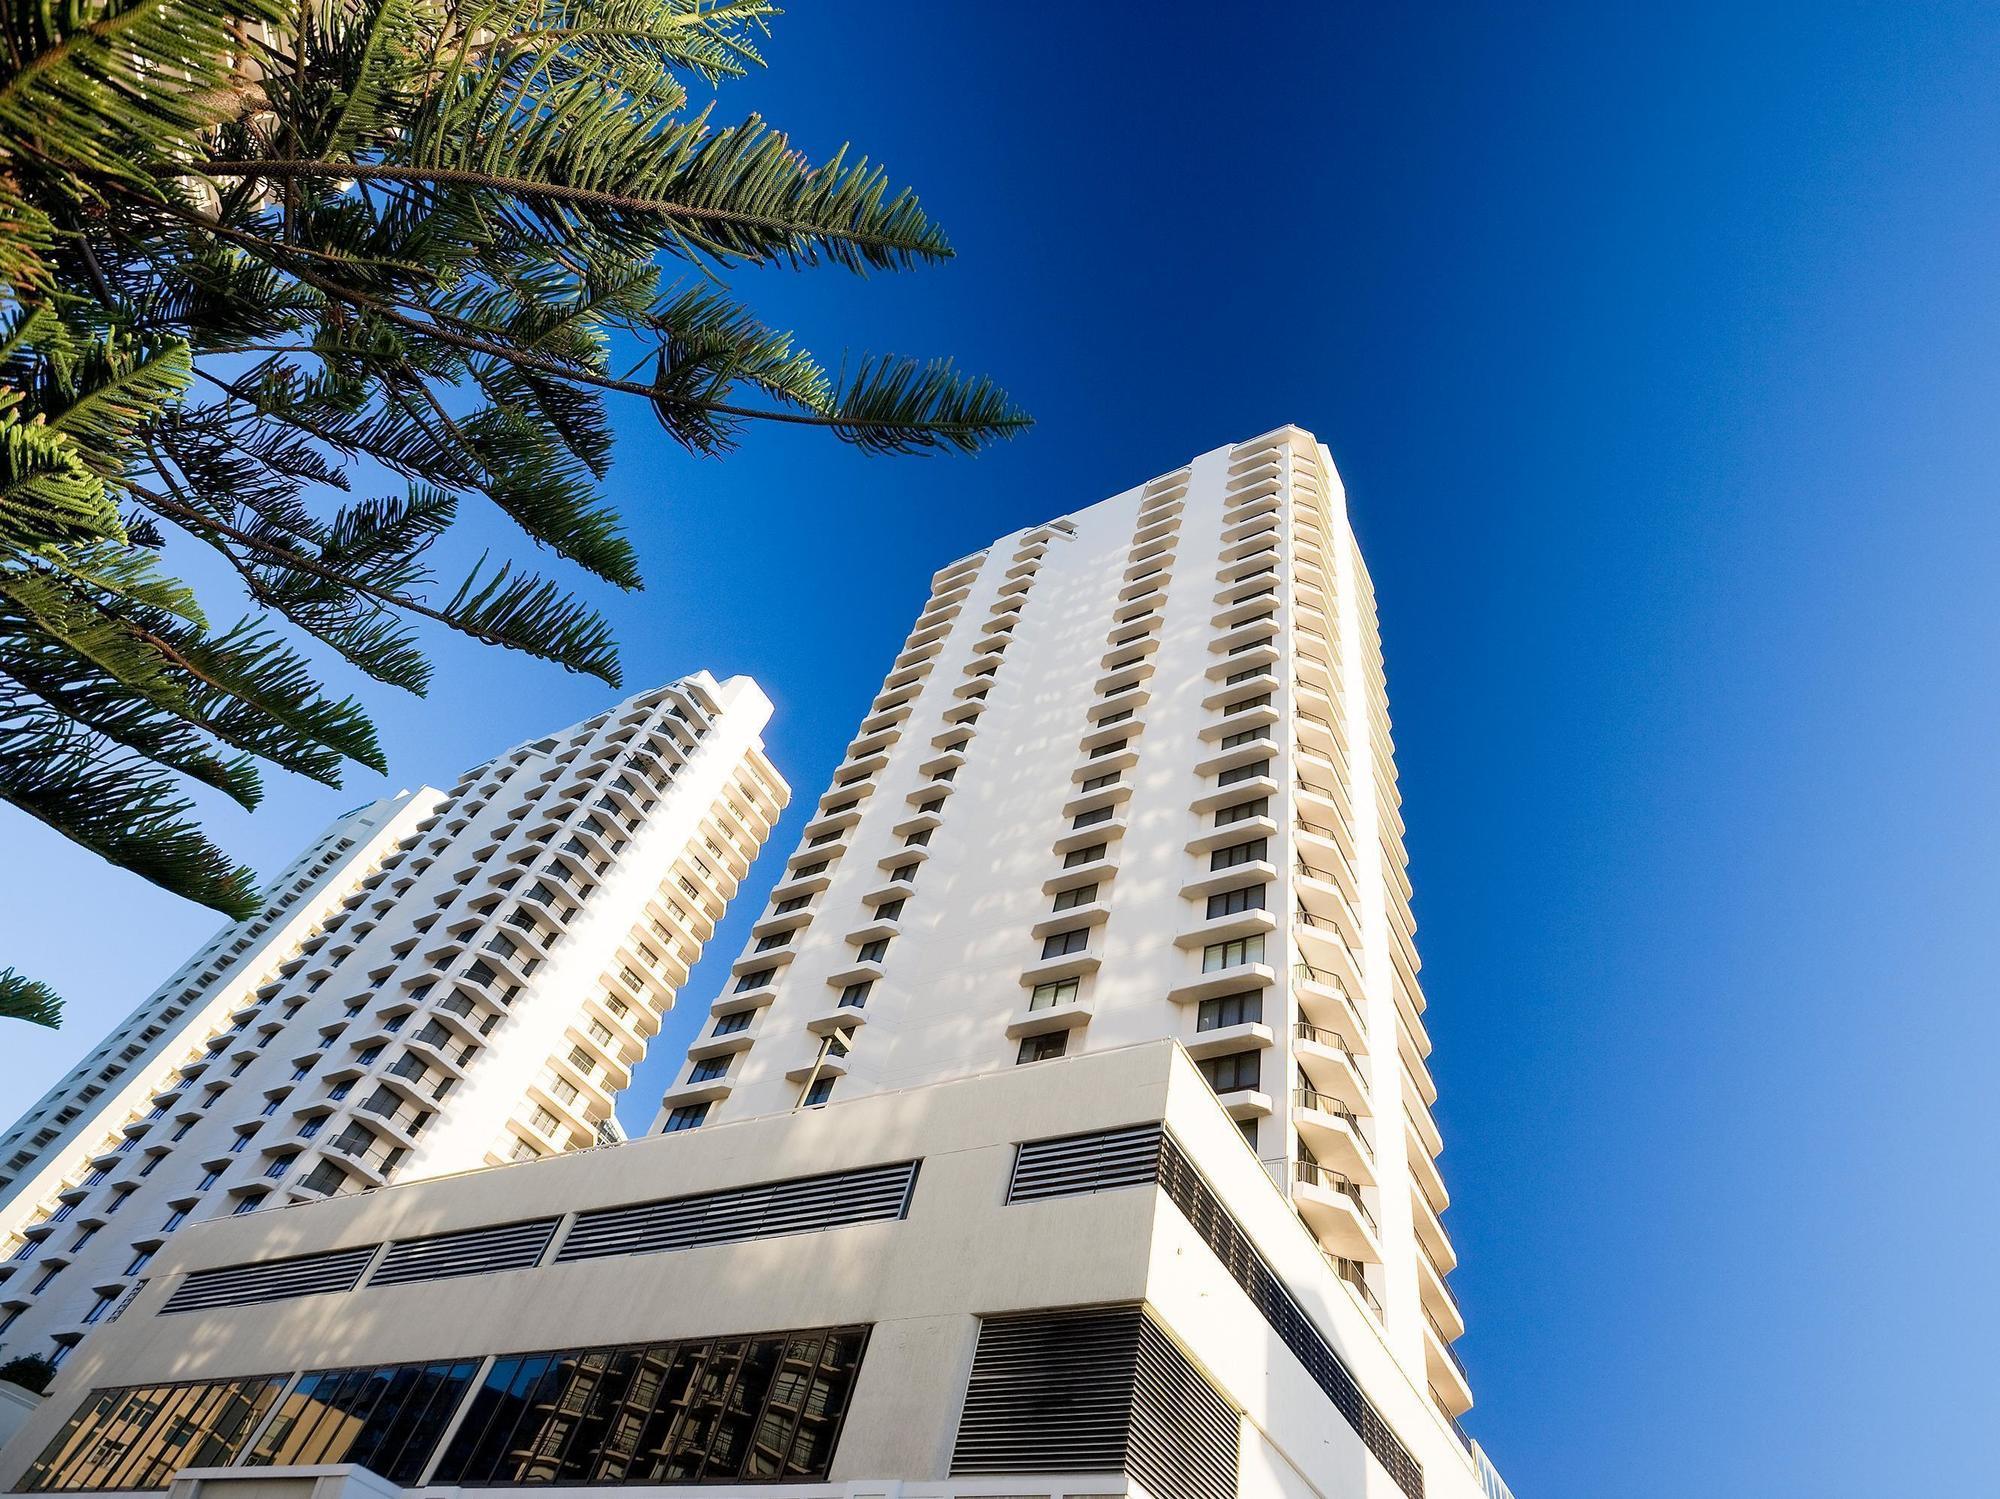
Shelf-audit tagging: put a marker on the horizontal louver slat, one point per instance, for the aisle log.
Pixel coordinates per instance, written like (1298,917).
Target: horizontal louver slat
(806,1205)
(1050,1394)
(479,1251)
(1077,1164)
(273,1280)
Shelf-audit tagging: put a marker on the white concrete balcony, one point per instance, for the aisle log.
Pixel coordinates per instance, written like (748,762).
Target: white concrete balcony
(1331,1205)
(1246,873)
(1222,981)
(1034,1020)
(1243,830)
(1431,1232)
(1331,1064)
(1092,913)
(1439,1303)
(1326,952)
(1222,1040)
(1263,716)
(1235,792)
(1229,692)
(1236,925)
(1053,970)
(1448,1382)
(1333,1132)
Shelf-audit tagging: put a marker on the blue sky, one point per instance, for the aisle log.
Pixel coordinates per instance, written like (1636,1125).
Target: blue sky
(1659,355)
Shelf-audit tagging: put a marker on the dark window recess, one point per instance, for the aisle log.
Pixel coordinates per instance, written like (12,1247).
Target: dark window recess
(730,1024)
(1244,773)
(1261,807)
(1131,1403)
(1240,853)
(1230,1009)
(873,952)
(1109,749)
(1230,902)
(1076,895)
(1094,816)
(1245,704)
(1062,944)
(386,1419)
(139,1436)
(1231,1073)
(709,1068)
(701,1411)
(1043,1048)
(687,1116)
(1088,855)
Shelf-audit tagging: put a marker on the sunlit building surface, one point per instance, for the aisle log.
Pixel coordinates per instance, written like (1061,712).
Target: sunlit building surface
(443,980)
(1063,1130)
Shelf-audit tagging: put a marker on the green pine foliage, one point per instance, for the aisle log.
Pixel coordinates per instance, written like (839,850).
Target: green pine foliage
(255,254)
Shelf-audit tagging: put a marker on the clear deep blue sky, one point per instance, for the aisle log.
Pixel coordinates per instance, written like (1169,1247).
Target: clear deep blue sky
(1659,355)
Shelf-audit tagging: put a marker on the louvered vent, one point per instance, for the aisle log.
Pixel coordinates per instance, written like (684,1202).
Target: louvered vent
(1097,1391)
(1205,1213)
(272,1280)
(1077,1164)
(804,1205)
(479,1251)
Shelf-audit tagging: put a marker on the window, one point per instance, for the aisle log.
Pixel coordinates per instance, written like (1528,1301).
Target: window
(1245,704)
(774,939)
(1229,902)
(1089,855)
(1261,807)
(818,1093)
(1256,850)
(1109,749)
(1097,783)
(249,1204)
(1079,895)
(1062,944)
(1233,1072)
(1043,1048)
(708,1069)
(544,1120)
(42,1284)
(209,1178)
(1094,816)
(919,839)
(137,1437)
(600,1033)
(1246,736)
(1246,1008)
(712,1410)
(139,1262)
(755,980)
(1234,954)
(889,910)
(1048,996)
(324,1178)
(730,1024)
(582,1061)
(903,874)
(873,952)
(237,1145)
(105,1301)
(174,1220)
(687,1116)
(796,903)
(386,1419)
(855,995)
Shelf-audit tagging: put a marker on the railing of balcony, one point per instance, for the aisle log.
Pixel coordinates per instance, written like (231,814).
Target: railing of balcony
(1315,1175)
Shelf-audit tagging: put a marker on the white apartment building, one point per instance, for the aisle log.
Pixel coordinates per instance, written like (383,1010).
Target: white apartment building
(1131,777)
(1063,1133)
(444,980)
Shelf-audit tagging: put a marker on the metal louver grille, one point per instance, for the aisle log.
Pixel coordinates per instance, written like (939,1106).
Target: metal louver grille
(1077,1164)
(804,1205)
(479,1251)
(273,1280)
(1050,1394)
(1223,1234)
(1184,1435)
(1098,1391)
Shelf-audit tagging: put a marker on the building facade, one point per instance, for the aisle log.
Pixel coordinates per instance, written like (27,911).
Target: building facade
(1131,777)
(444,980)
(1066,1280)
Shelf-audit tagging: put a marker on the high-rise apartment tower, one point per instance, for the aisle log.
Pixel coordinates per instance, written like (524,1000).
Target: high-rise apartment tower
(443,980)
(1131,776)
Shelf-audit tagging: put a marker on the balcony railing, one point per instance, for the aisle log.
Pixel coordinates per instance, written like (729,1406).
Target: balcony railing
(1326,1103)
(1321,1035)
(1315,1175)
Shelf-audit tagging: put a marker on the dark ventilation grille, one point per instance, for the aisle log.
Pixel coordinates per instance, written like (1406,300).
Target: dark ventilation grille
(1098,1391)
(1188,1192)
(479,1251)
(1184,1435)
(273,1280)
(1079,1164)
(1086,1163)
(801,1206)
